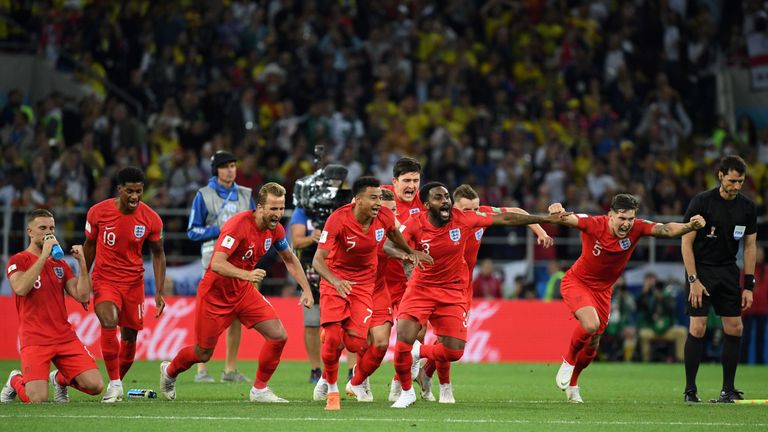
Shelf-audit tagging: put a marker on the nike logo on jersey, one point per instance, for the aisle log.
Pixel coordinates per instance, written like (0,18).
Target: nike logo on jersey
(109,228)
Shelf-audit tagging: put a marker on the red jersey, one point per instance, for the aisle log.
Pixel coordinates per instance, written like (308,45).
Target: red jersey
(245,243)
(446,246)
(603,255)
(394,274)
(42,313)
(354,252)
(119,238)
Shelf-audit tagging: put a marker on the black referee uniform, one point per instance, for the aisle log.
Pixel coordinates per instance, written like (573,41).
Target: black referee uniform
(714,250)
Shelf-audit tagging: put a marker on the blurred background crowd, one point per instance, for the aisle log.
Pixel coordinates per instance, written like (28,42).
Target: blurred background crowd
(529,101)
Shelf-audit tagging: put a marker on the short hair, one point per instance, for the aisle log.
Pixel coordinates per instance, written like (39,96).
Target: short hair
(130,174)
(623,202)
(36,213)
(406,165)
(464,191)
(732,163)
(363,183)
(270,188)
(387,195)
(424,191)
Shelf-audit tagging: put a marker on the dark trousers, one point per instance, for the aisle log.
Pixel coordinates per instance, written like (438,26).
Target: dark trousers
(754,324)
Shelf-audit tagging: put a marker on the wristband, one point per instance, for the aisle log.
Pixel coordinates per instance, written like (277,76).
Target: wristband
(749,282)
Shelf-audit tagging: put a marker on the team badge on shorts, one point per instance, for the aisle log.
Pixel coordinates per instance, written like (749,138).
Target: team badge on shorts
(738,232)
(139,230)
(455,234)
(625,243)
(379,234)
(267,244)
(59,271)
(479,234)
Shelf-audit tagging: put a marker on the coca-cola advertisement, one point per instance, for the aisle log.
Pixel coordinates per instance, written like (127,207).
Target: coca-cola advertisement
(499,331)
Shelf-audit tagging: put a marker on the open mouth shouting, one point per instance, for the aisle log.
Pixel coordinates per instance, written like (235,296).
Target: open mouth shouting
(409,194)
(445,211)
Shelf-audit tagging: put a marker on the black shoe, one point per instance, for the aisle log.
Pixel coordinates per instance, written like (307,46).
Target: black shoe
(728,396)
(314,375)
(691,396)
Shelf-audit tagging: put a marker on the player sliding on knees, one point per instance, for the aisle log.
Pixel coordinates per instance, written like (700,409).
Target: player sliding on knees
(229,291)
(607,243)
(436,293)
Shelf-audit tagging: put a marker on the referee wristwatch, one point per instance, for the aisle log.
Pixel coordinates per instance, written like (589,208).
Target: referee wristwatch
(692,278)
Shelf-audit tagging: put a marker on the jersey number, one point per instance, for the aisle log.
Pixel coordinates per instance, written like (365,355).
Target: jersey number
(367,317)
(37,283)
(425,247)
(351,245)
(109,238)
(597,249)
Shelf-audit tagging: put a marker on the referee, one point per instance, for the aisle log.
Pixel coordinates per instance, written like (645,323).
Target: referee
(713,276)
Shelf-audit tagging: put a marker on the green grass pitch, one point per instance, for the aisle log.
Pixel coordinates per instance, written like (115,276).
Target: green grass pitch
(489,397)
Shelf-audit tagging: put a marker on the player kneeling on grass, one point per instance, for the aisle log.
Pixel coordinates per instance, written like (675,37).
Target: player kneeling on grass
(229,290)
(38,282)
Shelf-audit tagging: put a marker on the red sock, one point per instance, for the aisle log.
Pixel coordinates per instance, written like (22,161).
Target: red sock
(184,360)
(17,383)
(443,371)
(330,351)
(429,368)
(269,358)
(579,339)
(583,359)
(440,353)
(403,362)
(127,354)
(110,349)
(368,363)
(61,380)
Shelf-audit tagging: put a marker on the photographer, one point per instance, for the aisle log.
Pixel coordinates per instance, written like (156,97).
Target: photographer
(657,316)
(315,196)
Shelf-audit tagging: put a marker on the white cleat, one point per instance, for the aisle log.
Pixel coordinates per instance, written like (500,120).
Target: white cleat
(425,383)
(167,384)
(406,399)
(321,390)
(395,389)
(573,395)
(265,395)
(113,394)
(8,394)
(564,374)
(415,366)
(359,392)
(60,393)
(446,394)
(367,385)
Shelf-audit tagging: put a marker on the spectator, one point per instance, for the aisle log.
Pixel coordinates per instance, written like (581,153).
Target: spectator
(756,317)
(657,318)
(487,283)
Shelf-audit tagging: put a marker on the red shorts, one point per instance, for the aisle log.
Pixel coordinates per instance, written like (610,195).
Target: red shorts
(353,312)
(446,310)
(70,358)
(382,306)
(396,293)
(577,295)
(129,302)
(212,318)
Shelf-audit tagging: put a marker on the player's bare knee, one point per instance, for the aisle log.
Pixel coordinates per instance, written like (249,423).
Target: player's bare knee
(37,396)
(381,345)
(94,387)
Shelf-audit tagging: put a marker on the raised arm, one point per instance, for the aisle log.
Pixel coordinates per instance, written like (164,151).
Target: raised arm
(677,229)
(517,219)
(80,288)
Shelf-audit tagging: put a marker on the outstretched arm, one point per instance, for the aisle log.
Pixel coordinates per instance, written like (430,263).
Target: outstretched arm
(542,237)
(569,220)
(676,229)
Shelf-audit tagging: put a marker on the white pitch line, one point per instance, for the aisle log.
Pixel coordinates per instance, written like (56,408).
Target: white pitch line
(385,419)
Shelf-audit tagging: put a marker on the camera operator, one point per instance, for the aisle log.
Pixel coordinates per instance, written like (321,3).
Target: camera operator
(315,197)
